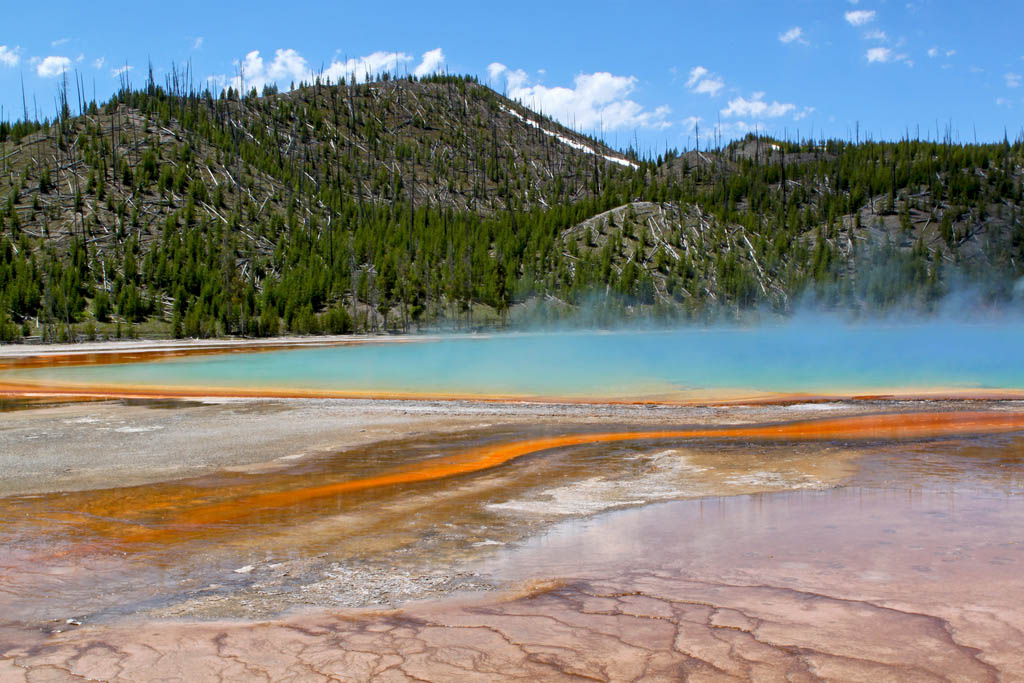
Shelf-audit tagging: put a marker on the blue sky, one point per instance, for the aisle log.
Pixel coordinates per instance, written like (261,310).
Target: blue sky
(642,72)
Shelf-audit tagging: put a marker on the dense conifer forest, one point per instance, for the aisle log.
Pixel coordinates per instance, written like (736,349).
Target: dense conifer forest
(405,204)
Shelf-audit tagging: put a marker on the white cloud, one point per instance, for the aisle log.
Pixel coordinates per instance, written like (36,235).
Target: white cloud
(98,63)
(736,129)
(796,33)
(288,64)
(290,67)
(756,106)
(859,17)
(950,53)
(696,73)
(884,55)
(933,52)
(597,100)
(703,82)
(80,58)
(1012,80)
(1003,102)
(876,35)
(880,54)
(9,56)
(52,66)
(709,86)
(198,43)
(432,61)
(690,122)
(369,66)
(59,42)
(121,70)
(495,69)
(803,113)
(514,80)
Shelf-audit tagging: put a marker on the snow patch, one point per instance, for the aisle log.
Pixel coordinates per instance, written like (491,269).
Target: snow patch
(570,142)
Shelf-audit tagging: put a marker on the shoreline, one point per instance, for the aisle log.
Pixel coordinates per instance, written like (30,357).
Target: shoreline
(708,398)
(12,354)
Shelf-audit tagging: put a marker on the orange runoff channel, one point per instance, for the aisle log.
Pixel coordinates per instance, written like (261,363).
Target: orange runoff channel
(861,427)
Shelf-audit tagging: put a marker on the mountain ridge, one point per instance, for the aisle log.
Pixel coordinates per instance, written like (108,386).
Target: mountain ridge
(398,204)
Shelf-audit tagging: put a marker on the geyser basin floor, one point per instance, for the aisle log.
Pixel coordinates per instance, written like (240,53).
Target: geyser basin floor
(907,571)
(902,573)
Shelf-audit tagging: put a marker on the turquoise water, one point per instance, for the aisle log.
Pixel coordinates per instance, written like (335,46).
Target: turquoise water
(818,356)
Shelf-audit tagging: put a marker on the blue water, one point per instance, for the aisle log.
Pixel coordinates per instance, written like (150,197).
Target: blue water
(813,356)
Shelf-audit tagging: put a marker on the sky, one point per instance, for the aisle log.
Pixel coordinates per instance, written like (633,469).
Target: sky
(651,75)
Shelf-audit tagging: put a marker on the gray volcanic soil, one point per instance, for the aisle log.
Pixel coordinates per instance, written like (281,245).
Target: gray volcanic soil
(116,443)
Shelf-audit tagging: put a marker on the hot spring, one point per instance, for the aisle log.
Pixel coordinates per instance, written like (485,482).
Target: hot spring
(806,358)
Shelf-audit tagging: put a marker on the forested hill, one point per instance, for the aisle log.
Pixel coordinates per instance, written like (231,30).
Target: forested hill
(404,204)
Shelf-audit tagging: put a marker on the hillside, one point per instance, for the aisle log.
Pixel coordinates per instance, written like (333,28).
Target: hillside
(398,204)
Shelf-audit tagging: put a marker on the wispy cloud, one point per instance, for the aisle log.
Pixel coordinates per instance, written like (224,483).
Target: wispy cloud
(431,63)
(803,113)
(703,82)
(52,66)
(121,70)
(99,62)
(859,17)
(10,56)
(59,42)
(597,100)
(876,34)
(885,55)
(1012,80)
(757,107)
(794,34)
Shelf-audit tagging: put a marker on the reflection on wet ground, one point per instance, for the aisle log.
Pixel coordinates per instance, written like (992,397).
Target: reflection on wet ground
(45,359)
(8,405)
(768,569)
